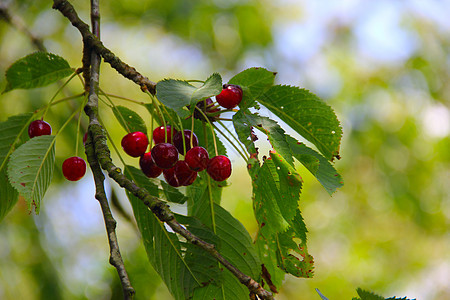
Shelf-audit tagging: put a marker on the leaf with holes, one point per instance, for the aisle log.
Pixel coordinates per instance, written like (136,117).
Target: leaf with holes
(36,70)
(308,115)
(30,169)
(129,119)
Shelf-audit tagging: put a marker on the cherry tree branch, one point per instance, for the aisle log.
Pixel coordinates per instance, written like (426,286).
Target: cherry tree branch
(95,44)
(100,194)
(103,155)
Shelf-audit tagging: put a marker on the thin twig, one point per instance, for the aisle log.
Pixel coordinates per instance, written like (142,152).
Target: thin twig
(95,44)
(100,194)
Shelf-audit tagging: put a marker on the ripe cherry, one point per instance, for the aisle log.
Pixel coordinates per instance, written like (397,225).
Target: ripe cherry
(159,134)
(180,175)
(178,140)
(74,168)
(230,96)
(219,168)
(148,166)
(197,158)
(135,143)
(164,155)
(85,138)
(38,128)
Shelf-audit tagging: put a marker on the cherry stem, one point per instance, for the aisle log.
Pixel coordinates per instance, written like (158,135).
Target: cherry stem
(195,80)
(156,103)
(114,107)
(59,101)
(182,134)
(246,158)
(112,143)
(212,129)
(123,98)
(192,133)
(56,94)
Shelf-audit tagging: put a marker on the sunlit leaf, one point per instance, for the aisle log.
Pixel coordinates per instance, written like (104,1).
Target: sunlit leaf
(30,169)
(274,132)
(318,165)
(308,115)
(129,119)
(36,70)
(254,82)
(177,94)
(366,295)
(211,87)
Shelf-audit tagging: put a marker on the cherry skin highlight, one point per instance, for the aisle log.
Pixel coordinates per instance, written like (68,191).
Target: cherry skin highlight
(197,158)
(230,96)
(38,128)
(148,166)
(135,143)
(159,134)
(164,155)
(74,168)
(219,168)
(178,140)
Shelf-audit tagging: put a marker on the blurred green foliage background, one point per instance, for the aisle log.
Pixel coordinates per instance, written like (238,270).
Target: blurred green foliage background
(382,65)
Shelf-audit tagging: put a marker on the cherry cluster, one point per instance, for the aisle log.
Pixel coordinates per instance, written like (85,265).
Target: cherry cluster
(169,144)
(164,156)
(74,167)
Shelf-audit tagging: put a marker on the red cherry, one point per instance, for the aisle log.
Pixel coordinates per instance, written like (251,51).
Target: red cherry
(159,134)
(74,168)
(230,96)
(148,166)
(180,175)
(178,140)
(169,175)
(197,158)
(38,128)
(135,143)
(219,168)
(165,155)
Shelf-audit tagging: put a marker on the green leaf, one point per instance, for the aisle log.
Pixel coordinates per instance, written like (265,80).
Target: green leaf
(11,136)
(30,169)
(308,115)
(236,247)
(129,119)
(8,195)
(235,243)
(281,238)
(173,194)
(177,94)
(169,256)
(366,295)
(36,70)
(254,82)
(318,165)
(274,132)
(211,87)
